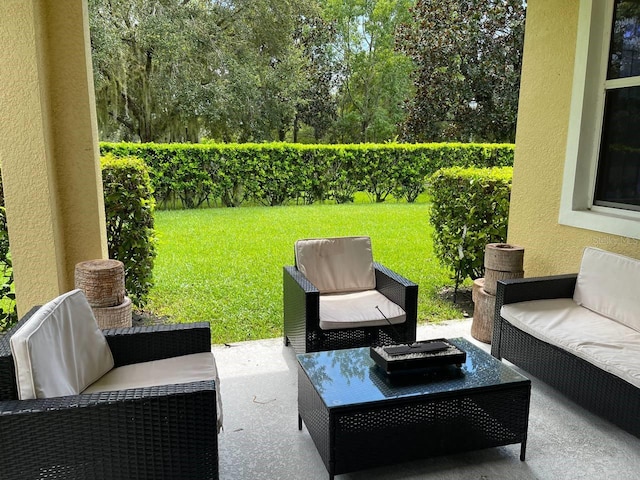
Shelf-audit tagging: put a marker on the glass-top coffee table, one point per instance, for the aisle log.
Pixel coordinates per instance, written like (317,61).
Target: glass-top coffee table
(359,417)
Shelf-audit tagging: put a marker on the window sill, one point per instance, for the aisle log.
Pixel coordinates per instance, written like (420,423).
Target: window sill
(625,223)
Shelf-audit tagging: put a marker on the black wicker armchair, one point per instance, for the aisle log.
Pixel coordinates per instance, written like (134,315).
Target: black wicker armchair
(160,432)
(302,322)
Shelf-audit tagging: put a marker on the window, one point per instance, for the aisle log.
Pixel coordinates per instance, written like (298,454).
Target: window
(618,176)
(601,188)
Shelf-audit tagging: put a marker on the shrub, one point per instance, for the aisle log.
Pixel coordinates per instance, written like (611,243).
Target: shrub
(470,208)
(8,311)
(129,206)
(276,173)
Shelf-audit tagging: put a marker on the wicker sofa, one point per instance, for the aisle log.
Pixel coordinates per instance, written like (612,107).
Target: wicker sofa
(166,431)
(580,333)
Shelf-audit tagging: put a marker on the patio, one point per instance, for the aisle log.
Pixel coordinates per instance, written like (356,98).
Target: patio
(261,439)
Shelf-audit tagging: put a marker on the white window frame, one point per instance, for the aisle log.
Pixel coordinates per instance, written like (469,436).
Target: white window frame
(585,128)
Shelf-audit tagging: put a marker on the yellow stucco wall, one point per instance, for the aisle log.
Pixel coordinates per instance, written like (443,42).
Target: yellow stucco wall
(541,141)
(48,146)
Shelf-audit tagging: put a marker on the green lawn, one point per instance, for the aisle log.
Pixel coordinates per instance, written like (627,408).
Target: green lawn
(224,265)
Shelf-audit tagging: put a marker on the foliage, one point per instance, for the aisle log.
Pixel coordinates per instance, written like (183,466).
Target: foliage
(129,207)
(8,313)
(470,209)
(339,71)
(464,51)
(171,70)
(375,77)
(224,265)
(317,106)
(277,173)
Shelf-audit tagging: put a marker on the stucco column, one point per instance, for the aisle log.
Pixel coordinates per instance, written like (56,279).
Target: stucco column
(49,145)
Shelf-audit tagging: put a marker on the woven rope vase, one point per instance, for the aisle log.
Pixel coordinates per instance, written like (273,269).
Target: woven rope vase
(102,282)
(114,317)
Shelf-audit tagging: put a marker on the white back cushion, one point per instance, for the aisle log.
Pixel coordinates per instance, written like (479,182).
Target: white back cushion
(609,284)
(337,265)
(60,350)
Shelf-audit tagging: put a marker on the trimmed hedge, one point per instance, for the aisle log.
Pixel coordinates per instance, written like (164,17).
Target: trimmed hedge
(470,208)
(192,175)
(129,206)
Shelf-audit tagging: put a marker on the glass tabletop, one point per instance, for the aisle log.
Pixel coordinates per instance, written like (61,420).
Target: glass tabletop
(349,377)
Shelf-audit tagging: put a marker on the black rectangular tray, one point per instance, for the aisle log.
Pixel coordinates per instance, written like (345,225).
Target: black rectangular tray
(417,362)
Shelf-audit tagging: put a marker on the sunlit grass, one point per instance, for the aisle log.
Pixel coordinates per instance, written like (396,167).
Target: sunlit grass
(224,265)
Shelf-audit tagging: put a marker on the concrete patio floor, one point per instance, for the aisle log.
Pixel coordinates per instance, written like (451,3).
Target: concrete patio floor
(261,439)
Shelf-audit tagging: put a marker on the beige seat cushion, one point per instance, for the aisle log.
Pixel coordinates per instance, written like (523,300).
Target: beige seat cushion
(60,350)
(184,369)
(337,265)
(601,341)
(359,309)
(608,284)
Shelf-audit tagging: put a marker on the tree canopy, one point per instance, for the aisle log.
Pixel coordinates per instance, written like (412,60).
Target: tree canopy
(468,56)
(305,70)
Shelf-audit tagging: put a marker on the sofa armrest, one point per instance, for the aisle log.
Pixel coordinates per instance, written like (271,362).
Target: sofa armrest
(535,288)
(526,289)
(145,344)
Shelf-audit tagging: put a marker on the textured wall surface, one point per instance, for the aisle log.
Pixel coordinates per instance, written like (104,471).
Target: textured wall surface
(48,146)
(543,118)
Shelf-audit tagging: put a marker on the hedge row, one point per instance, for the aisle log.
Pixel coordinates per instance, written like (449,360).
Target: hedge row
(192,175)
(470,208)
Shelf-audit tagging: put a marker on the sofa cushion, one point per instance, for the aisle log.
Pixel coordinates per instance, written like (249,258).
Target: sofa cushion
(608,284)
(337,265)
(609,345)
(59,350)
(359,309)
(175,370)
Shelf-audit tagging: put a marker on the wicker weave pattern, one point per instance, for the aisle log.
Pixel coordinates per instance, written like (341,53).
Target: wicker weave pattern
(166,432)
(316,418)
(102,282)
(370,434)
(302,314)
(596,390)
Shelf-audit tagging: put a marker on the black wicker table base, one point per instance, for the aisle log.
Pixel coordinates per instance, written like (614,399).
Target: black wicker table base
(359,417)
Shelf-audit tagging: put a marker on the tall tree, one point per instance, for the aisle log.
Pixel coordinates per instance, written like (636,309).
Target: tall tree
(468,56)
(172,70)
(376,77)
(317,104)
(151,58)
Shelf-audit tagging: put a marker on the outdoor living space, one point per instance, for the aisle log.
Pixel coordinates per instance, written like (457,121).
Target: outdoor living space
(261,440)
(575,185)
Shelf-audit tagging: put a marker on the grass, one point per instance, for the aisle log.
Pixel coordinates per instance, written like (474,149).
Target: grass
(224,265)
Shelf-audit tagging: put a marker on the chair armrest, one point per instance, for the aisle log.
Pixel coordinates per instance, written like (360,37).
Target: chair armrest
(396,288)
(301,305)
(144,344)
(299,280)
(113,434)
(535,288)
(93,400)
